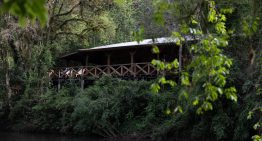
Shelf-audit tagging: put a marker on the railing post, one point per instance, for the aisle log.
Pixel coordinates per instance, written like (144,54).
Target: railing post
(87,71)
(96,71)
(71,70)
(87,57)
(148,68)
(121,67)
(82,81)
(82,84)
(59,80)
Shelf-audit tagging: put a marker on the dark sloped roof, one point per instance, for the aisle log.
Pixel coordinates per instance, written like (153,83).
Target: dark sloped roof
(143,43)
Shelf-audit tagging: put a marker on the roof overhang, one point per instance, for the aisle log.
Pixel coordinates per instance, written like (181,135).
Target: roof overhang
(129,45)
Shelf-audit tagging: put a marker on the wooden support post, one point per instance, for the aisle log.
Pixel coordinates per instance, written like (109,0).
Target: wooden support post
(59,81)
(121,69)
(180,58)
(59,84)
(108,63)
(86,61)
(82,84)
(82,81)
(132,63)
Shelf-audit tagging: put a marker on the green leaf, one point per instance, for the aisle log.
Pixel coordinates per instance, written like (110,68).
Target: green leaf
(250,114)
(231,94)
(194,21)
(155,50)
(176,35)
(175,64)
(257,125)
(220,91)
(162,80)
(257,138)
(178,109)
(185,79)
(196,102)
(26,9)
(168,111)
(155,88)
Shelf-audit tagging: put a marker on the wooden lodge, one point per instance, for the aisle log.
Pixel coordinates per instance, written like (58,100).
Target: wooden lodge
(130,60)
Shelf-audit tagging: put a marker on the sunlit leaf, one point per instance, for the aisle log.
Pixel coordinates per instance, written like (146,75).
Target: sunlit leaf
(155,50)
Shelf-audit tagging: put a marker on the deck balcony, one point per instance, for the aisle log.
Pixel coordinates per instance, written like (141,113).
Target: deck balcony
(119,70)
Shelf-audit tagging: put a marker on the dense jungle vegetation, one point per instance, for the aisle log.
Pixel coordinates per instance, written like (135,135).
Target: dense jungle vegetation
(218,95)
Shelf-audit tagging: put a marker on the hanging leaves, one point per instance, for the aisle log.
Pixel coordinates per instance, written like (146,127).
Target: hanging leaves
(204,79)
(31,9)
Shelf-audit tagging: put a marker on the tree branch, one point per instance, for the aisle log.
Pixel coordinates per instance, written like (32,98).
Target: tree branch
(67,33)
(68,12)
(61,6)
(71,20)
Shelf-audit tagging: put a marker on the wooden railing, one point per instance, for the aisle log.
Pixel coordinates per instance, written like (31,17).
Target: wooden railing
(119,70)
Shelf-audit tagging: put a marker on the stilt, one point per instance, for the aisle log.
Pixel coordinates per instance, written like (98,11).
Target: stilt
(82,84)
(59,85)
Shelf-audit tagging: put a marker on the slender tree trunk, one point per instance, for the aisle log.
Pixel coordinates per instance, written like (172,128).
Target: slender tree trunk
(8,87)
(7,77)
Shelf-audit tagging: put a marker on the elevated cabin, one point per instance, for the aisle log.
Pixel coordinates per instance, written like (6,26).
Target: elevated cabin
(124,60)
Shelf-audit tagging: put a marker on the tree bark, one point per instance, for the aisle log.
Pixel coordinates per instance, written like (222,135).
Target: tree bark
(8,88)
(7,78)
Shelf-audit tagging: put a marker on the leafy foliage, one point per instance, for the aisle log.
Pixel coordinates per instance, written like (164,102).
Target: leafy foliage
(209,66)
(34,9)
(110,108)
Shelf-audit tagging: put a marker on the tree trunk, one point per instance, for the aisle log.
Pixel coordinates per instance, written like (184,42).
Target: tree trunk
(8,88)
(8,95)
